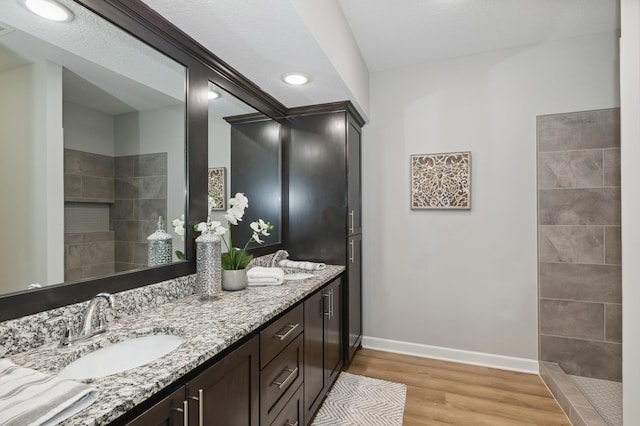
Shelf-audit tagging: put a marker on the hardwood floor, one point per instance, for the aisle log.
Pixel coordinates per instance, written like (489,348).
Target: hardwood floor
(447,393)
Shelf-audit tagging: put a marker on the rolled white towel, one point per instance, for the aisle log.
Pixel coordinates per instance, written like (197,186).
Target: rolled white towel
(38,398)
(265,276)
(307,266)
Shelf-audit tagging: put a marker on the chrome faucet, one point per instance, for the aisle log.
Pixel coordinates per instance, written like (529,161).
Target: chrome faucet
(274,259)
(87,329)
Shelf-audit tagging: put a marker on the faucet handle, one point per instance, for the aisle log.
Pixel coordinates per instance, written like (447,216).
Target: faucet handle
(66,333)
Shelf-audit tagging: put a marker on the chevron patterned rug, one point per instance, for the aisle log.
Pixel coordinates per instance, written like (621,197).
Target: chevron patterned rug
(362,401)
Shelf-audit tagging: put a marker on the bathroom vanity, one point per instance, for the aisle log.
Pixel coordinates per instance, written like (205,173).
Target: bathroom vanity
(242,361)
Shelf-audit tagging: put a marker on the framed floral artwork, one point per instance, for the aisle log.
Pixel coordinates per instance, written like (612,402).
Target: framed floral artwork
(441,181)
(217,184)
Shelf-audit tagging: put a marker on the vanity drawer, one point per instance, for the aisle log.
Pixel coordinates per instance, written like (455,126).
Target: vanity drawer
(278,335)
(280,379)
(291,414)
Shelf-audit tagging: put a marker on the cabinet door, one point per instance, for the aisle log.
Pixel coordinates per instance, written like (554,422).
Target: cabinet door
(168,412)
(354,225)
(314,377)
(354,296)
(227,393)
(333,332)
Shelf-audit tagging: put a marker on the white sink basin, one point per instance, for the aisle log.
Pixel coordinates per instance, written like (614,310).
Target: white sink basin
(297,276)
(121,356)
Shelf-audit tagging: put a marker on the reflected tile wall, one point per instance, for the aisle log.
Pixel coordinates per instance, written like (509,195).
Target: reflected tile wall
(140,197)
(579,242)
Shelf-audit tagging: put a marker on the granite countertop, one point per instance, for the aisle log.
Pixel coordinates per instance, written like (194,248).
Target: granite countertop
(208,328)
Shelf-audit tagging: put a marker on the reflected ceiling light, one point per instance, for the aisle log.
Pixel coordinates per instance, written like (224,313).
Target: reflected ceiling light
(296,78)
(50,9)
(213,94)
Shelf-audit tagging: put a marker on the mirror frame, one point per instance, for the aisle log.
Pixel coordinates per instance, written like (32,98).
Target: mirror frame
(143,23)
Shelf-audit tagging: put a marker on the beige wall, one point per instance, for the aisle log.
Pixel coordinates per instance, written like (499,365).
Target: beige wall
(442,283)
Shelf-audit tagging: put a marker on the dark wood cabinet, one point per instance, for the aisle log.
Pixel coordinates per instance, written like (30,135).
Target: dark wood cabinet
(325,209)
(170,411)
(226,394)
(323,344)
(353,311)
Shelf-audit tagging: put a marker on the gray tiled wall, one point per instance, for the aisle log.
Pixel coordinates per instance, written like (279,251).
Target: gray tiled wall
(580,295)
(87,255)
(87,177)
(140,197)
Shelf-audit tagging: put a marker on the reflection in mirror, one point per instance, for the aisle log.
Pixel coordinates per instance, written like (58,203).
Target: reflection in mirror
(92,137)
(247,145)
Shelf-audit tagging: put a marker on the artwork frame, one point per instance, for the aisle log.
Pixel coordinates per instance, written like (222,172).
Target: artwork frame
(441,181)
(217,187)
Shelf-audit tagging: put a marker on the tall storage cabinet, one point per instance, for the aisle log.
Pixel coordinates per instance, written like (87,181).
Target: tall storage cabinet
(325,215)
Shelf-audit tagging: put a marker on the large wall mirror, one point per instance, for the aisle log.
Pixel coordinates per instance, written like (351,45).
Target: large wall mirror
(245,155)
(103,129)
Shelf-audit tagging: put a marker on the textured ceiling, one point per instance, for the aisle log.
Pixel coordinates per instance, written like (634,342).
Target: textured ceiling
(262,40)
(395,33)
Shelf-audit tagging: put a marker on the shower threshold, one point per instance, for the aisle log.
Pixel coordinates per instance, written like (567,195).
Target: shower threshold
(575,404)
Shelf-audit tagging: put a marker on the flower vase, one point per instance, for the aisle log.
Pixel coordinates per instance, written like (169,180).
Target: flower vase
(234,279)
(208,268)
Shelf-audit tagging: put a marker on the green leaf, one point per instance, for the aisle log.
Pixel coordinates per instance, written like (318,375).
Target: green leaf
(180,255)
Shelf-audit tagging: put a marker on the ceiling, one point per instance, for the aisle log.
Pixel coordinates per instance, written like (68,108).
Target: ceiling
(396,33)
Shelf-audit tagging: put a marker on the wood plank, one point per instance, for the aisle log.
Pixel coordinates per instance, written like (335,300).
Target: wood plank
(446,393)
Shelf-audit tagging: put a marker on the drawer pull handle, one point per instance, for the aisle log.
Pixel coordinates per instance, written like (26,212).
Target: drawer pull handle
(200,400)
(291,424)
(352,227)
(185,412)
(292,374)
(283,334)
(327,305)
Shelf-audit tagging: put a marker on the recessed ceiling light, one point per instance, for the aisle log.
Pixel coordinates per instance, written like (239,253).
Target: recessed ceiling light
(50,9)
(296,78)
(213,95)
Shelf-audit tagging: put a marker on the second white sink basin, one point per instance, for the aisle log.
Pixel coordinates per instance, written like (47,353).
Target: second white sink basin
(121,356)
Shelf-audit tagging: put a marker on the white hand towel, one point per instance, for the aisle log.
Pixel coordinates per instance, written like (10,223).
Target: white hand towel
(33,398)
(265,276)
(307,266)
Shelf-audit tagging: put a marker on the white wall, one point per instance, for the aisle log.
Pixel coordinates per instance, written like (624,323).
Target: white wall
(467,280)
(88,130)
(31,180)
(330,28)
(630,149)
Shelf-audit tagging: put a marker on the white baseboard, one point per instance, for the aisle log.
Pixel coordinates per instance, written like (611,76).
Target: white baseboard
(502,362)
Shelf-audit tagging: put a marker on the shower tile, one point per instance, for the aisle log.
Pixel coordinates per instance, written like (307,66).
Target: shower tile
(90,237)
(121,267)
(601,360)
(123,167)
(582,320)
(100,269)
(613,322)
(73,238)
(121,210)
(153,187)
(570,169)
(579,130)
(612,245)
(97,188)
(149,227)
(96,165)
(150,209)
(585,416)
(571,244)
(127,230)
(73,274)
(150,164)
(126,188)
(124,251)
(141,253)
(72,187)
(596,206)
(612,167)
(80,255)
(595,283)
